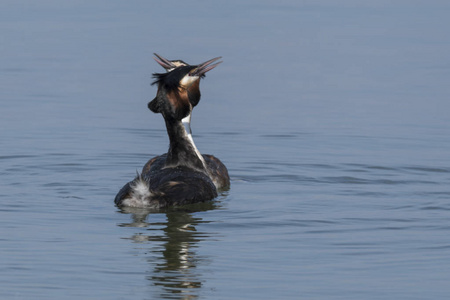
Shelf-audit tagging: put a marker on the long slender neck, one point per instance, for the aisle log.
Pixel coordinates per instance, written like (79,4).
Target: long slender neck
(182,150)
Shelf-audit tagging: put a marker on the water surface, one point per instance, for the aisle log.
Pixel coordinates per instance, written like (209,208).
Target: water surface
(332,119)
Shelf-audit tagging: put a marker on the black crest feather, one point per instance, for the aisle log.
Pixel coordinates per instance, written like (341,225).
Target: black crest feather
(165,80)
(171,80)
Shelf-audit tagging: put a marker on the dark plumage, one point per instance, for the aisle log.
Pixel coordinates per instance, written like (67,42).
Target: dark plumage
(182,175)
(171,80)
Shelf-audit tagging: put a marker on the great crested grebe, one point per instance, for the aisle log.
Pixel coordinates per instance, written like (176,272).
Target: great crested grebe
(182,175)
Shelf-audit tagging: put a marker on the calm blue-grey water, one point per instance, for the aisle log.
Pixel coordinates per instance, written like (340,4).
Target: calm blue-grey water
(331,116)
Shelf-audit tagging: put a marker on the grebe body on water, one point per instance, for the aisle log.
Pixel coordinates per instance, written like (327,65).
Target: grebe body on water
(182,175)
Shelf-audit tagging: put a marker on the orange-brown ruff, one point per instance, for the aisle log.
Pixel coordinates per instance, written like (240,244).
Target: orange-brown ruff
(182,175)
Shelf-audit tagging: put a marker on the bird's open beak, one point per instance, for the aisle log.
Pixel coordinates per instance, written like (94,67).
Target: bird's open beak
(165,63)
(202,68)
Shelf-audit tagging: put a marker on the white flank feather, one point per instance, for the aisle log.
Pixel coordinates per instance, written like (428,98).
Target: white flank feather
(140,194)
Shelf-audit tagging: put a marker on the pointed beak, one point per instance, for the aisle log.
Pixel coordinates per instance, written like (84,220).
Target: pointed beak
(202,68)
(164,62)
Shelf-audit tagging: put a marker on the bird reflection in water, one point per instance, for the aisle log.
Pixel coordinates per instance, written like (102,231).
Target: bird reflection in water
(173,258)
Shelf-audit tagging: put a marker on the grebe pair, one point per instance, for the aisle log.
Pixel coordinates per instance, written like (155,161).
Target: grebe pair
(182,175)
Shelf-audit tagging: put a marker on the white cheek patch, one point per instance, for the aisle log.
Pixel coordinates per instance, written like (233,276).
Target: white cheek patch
(188,80)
